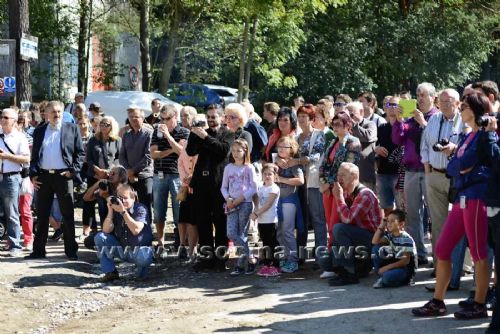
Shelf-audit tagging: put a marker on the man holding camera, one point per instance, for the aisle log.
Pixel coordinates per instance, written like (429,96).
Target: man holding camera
(14,151)
(212,146)
(168,140)
(439,141)
(125,234)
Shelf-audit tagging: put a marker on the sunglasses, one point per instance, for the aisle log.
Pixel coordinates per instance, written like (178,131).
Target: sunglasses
(391,105)
(284,147)
(6,117)
(104,125)
(211,117)
(231,117)
(166,118)
(339,104)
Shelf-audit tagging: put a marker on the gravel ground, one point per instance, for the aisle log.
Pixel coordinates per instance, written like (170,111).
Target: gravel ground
(57,296)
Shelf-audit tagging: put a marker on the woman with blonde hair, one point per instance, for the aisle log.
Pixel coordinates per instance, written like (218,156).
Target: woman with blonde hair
(236,117)
(102,153)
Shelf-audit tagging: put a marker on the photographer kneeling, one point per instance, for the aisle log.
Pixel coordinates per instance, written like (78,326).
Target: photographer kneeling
(99,192)
(126,234)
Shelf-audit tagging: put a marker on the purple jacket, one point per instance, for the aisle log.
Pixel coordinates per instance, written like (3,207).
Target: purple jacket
(409,134)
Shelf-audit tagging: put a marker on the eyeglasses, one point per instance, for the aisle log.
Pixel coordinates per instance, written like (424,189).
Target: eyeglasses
(211,117)
(284,147)
(391,105)
(166,118)
(104,125)
(6,117)
(231,117)
(464,107)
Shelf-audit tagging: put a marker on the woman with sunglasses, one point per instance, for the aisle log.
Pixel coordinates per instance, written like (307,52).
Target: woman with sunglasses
(470,169)
(102,153)
(235,117)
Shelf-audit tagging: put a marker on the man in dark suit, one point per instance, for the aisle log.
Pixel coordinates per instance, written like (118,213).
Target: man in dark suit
(56,157)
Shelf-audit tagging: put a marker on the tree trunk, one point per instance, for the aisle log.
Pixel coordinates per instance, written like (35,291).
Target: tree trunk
(244,50)
(173,40)
(19,23)
(248,67)
(144,42)
(89,35)
(82,45)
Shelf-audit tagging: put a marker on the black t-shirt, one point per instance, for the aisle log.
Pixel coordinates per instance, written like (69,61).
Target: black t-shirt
(389,164)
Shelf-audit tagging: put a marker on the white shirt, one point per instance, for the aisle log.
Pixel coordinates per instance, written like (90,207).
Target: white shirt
(450,129)
(18,143)
(271,215)
(51,149)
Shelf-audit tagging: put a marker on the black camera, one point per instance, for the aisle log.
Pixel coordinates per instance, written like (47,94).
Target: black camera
(104,185)
(114,200)
(199,124)
(438,147)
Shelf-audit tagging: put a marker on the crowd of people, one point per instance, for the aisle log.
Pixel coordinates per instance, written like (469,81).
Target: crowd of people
(372,183)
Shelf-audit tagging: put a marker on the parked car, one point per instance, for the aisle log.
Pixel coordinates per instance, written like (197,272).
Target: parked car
(195,95)
(228,94)
(115,103)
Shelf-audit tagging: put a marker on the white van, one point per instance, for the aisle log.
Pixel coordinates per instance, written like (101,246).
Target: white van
(115,103)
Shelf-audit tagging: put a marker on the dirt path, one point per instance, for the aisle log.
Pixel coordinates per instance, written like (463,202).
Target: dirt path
(56,296)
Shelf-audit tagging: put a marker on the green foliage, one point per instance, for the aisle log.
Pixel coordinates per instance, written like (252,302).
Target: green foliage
(372,46)
(54,25)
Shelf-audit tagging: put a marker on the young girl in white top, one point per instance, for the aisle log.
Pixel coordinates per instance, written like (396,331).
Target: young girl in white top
(266,215)
(239,184)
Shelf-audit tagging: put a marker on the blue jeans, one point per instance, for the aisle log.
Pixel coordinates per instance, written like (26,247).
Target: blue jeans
(170,184)
(317,216)
(386,189)
(346,241)
(9,200)
(414,197)
(108,247)
(391,278)
(457,261)
(237,230)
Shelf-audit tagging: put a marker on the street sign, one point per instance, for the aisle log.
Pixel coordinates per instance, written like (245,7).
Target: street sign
(29,47)
(10,84)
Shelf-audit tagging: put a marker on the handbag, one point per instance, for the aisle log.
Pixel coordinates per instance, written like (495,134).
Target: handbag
(182,193)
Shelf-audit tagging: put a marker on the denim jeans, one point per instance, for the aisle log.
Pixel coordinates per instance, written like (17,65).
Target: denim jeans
(346,238)
(170,184)
(286,232)
(414,198)
(9,199)
(108,247)
(386,189)
(317,216)
(237,230)
(391,278)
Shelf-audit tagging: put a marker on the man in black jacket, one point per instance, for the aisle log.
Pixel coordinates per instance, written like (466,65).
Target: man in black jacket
(212,147)
(56,157)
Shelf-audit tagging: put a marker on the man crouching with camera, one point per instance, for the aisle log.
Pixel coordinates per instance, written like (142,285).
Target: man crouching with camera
(125,234)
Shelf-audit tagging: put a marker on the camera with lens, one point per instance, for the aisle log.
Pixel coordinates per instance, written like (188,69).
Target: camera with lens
(199,124)
(114,200)
(104,185)
(483,121)
(438,147)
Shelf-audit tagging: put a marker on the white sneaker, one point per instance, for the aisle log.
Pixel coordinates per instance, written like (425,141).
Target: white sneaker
(327,274)
(378,284)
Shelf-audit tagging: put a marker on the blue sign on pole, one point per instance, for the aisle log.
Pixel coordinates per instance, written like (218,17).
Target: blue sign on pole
(10,84)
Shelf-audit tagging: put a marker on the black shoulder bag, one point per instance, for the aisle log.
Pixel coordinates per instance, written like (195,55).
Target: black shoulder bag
(25,171)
